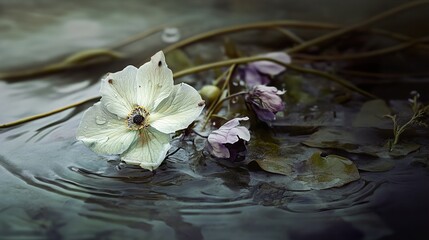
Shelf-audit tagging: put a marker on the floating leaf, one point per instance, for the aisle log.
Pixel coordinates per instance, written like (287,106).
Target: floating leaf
(269,158)
(376,165)
(363,140)
(372,115)
(305,167)
(330,171)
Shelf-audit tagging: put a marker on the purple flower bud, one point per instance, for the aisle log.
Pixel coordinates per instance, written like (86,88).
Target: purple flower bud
(265,101)
(257,72)
(229,140)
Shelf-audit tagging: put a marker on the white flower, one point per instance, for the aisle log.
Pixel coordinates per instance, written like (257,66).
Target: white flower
(138,110)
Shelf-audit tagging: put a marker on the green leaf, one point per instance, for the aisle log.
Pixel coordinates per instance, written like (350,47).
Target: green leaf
(372,115)
(375,165)
(327,172)
(305,168)
(363,140)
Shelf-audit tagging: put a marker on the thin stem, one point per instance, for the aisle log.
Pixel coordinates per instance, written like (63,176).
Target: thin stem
(42,115)
(261,58)
(368,54)
(80,59)
(225,84)
(371,20)
(380,75)
(333,78)
(218,104)
(76,60)
(138,37)
(289,34)
(216,65)
(274,25)
(213,106)
(199,134)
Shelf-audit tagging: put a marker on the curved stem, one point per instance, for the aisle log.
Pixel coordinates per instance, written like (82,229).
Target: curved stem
(79,59)
(353,27)
(225,84)
(261,58)
(289,34)
(368,54)
(381,75)
(274,25)
(139,36)
(42,115)
(218,104)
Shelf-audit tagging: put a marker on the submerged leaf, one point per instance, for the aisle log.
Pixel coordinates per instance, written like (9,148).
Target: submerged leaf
(306,168)
(267,155)
(327,172)
(363,140)
(372,115)
(376,165)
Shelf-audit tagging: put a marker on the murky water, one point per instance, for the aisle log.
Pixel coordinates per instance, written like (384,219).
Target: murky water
(52,187)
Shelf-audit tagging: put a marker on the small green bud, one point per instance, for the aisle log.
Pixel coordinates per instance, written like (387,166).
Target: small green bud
(209,93)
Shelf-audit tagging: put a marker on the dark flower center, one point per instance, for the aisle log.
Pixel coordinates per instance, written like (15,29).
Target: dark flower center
(138,119)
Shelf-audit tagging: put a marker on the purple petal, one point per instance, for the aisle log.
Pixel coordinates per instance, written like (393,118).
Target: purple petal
(233,123)
(241,132)
(252,76)
(218,150)
(229,133)
(264,114)
(271,68)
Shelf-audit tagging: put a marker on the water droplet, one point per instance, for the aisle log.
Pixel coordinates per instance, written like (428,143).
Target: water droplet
(236,82)
(100,120)
(242,83)
(234,100)
(314,108)
(170,35)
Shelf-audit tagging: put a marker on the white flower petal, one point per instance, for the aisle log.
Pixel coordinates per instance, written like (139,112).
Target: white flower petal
(178,110)
(155,82)
(149,150)
(103,132)
(119,90)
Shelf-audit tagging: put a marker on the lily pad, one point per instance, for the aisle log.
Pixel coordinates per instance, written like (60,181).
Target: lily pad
(362,140)
(372,115)
(305,167)
(268,156)
(376,165)
(329,171)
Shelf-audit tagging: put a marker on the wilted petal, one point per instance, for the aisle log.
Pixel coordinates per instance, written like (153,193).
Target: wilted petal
(271,68)
(217,149)
(103,132)
(253,77)
(230,133)
(155,82)
(149,150)
(178,110)
(118,91)
(263,114)
(265,101)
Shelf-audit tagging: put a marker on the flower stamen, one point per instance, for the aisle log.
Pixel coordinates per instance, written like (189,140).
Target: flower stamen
(137,119)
